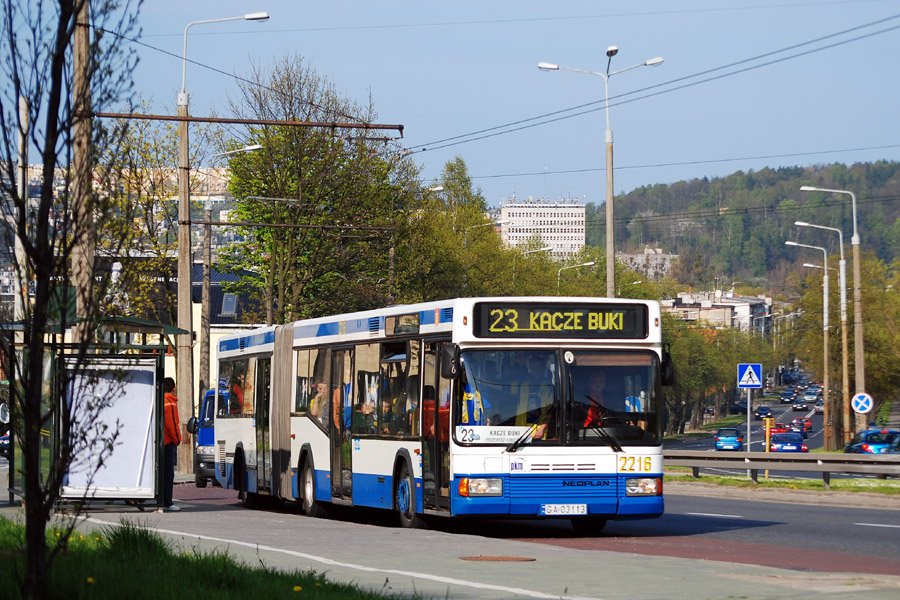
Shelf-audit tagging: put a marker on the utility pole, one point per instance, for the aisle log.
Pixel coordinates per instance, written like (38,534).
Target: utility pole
(82,209)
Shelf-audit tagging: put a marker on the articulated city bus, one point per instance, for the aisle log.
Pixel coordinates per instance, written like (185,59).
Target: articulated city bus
(526,407)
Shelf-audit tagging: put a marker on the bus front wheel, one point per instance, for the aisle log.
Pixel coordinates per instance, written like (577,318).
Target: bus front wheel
(405,500)
(308,494)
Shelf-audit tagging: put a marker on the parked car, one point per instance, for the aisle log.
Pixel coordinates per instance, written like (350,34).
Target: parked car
(800,405)
(204,448)
(763,411)
(872,441)
(4,445)
(787,442)
(729,438)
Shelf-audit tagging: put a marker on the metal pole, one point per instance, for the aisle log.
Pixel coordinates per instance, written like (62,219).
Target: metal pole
(845,369)
(858,355)
(204,305)
(610,224)
(829,414)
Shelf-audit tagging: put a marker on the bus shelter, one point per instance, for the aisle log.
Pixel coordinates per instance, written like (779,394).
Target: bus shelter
(118,384)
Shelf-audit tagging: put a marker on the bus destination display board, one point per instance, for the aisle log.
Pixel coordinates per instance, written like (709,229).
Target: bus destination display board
(592,321)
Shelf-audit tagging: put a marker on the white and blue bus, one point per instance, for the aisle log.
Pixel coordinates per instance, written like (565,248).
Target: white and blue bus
(527,407)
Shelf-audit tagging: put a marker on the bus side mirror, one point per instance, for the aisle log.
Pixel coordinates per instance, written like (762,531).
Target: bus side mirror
(449,361)
(192,425)
(666,368)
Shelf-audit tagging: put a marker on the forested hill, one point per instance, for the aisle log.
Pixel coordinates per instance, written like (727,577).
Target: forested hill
(736,226)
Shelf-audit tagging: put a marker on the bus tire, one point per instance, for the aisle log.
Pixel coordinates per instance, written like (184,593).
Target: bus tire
(247,499)
(588,525)
(311,507)
(405,500)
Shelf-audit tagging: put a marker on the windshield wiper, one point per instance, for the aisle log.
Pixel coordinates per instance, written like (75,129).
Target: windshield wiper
(530,431)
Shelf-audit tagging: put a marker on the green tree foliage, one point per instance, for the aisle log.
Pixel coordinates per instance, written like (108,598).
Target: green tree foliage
(350,192)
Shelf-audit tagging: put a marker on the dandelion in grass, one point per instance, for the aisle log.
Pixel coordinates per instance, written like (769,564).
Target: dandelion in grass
(297,588)
(90,581)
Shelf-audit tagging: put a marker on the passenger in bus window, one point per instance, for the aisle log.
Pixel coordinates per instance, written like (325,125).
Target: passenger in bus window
(319,402)
(363,421)
(389,423)
(237,393)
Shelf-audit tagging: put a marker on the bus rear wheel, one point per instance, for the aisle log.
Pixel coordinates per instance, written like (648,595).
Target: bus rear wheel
(588,525)
(405,500)
(308,493)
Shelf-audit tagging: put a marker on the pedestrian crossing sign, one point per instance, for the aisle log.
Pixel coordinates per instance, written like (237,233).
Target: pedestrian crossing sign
(749,375)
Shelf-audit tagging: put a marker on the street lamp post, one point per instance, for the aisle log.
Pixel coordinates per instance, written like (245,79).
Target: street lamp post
(184,367)
(829,439)
(610,228)
(845,369)
(622,287)
(858,355)
(561,269)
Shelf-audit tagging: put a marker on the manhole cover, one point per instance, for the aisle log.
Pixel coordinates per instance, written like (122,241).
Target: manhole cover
(498,558)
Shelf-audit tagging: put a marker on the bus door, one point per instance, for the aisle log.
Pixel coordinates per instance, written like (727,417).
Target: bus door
(435,429)
(263,441)
(341,413)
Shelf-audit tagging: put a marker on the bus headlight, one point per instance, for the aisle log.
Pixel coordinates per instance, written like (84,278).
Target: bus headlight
(206,449)
(643,486)
(480,487)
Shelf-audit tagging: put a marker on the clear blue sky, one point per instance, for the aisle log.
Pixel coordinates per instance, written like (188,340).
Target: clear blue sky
(455,68)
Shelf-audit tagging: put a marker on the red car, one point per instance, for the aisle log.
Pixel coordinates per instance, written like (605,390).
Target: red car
(807,423)
(779,428)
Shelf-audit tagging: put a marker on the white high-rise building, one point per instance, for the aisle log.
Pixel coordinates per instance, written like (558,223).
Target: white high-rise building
(559,224)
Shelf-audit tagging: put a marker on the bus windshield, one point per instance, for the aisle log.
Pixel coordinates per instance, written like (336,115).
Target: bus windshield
(558,397)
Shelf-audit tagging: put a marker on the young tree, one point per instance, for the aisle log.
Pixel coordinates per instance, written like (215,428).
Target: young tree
(61,86)
(351,193)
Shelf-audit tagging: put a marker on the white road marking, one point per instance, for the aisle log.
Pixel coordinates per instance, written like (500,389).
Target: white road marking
(714,515)
(877,525)
(335,563)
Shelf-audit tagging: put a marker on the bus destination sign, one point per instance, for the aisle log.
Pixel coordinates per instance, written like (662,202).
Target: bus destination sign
(594,321)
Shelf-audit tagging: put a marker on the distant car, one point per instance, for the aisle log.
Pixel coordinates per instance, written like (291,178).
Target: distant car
(763,411)
(778,428)
(798,428)
(800,405)
(820,407)
(729,438)
(4,445)
(807,423)
(787,396)
(872,441)
(787,442)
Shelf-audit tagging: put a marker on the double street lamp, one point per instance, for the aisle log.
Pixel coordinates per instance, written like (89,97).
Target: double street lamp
(610,228)
(526,253)
(845,372)
(561,269)
(184,367)
(858,357)
(829,441)
(503,222)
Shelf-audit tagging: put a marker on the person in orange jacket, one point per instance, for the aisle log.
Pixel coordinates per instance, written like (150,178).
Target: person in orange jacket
(171,439)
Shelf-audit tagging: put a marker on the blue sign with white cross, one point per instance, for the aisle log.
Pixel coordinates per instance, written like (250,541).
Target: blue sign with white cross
(749,375)
(862,403)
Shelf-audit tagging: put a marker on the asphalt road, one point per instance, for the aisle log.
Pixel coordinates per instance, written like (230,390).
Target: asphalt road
(714,545)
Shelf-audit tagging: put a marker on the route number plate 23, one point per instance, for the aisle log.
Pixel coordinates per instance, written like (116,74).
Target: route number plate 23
(635,464)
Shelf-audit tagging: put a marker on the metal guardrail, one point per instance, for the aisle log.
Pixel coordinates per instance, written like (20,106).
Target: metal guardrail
(883,465)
